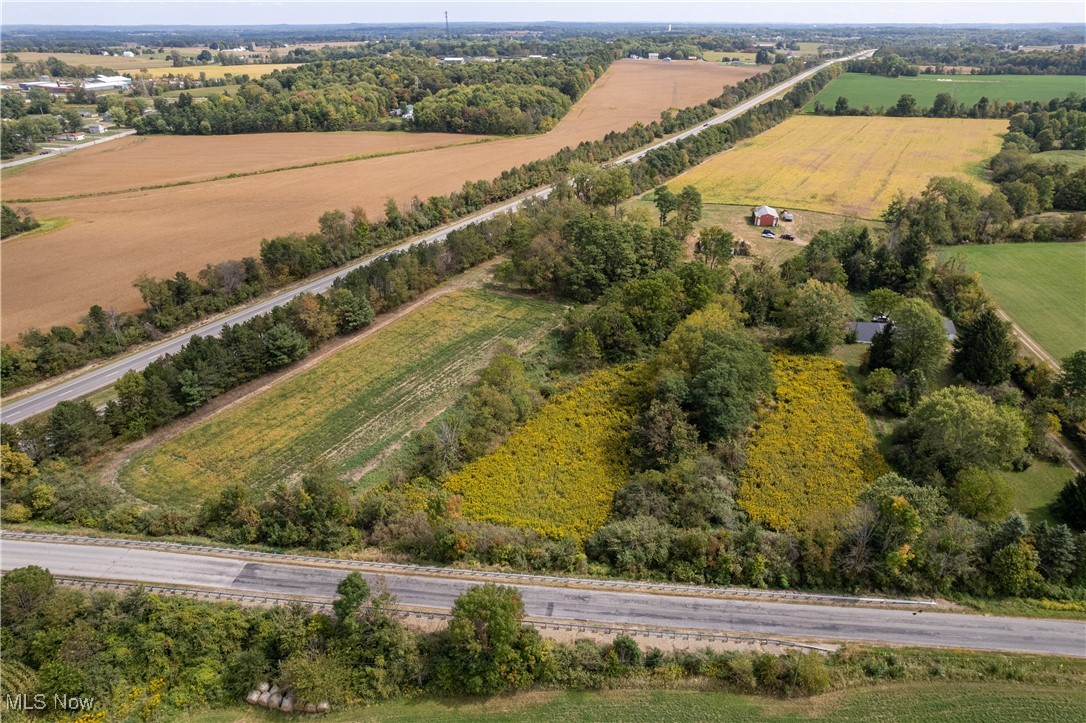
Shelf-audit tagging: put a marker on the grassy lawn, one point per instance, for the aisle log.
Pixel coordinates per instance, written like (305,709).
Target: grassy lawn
(862,89)
(1037,487)
(55,223)
(345,410)
(1041,286)
(991,702)
(775,250)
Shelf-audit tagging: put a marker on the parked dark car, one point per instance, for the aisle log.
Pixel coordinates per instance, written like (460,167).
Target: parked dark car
(788,237)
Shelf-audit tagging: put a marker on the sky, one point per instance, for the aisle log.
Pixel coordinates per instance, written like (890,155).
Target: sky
(257,12)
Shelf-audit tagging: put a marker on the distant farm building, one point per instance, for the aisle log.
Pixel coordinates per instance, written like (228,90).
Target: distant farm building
(452,61)
(71,136)
(766,216)
(654,56)
(98,82)
(95,128)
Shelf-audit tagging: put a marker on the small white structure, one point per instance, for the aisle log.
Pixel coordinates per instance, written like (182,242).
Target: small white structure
(654,56)
(452,61)
(71,136)
(128,54)
(95,128)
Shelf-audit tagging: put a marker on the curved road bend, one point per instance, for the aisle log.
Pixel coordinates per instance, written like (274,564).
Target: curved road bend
(107,374)
(779,620)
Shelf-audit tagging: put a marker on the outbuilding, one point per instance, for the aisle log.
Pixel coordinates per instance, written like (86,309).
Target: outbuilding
(766,216)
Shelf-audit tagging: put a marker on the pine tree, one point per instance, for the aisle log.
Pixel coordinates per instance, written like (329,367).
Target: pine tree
(984,351)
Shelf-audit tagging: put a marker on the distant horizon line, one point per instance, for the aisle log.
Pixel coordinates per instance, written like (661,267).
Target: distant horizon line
(441,24)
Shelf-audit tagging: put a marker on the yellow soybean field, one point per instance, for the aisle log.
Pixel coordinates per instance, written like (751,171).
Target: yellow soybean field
(346,409)
(813,453)
(559,472)
(851,165)
(253,70)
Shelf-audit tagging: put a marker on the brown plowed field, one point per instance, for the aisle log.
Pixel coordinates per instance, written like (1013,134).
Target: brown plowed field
(54,278)
(142,161)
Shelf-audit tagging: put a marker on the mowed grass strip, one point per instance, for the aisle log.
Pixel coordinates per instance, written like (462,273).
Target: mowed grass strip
(1041,286)
(345,410)
(862,89)
(847,165)
(997,701)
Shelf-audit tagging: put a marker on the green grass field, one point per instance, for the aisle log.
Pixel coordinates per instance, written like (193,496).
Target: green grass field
(862,89)
(1071,159)
(1036,488)
(347,409)
(1041,286)
(232,89)
(993,702)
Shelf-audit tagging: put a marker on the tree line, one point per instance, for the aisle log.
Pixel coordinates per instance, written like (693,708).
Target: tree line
(986,59)
(174,302)
(944,105)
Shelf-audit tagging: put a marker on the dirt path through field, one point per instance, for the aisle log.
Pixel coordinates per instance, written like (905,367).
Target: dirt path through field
(54,278)
(1074,459)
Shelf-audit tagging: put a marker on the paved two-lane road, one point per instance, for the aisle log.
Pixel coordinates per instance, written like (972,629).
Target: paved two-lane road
(105,375)
(562,604)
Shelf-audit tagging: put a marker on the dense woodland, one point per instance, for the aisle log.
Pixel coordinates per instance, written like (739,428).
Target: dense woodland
(506,97)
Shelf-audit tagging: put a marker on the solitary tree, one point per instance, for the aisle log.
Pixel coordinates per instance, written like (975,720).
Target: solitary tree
(919,338)
(665,201)
(817,317)
(984,351)
(487,649)
(714,246)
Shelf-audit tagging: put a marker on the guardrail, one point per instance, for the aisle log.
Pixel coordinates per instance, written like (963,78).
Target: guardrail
(489,575)
(538,624)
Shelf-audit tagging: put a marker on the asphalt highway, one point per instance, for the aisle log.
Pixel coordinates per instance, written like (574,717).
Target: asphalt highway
(103,376)
(561,604)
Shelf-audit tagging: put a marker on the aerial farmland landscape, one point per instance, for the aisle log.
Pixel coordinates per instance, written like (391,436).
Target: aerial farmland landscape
(525,361)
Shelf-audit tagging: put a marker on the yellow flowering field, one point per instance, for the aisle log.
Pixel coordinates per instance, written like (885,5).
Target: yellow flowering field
(843,165)
(559,472)
(814,452)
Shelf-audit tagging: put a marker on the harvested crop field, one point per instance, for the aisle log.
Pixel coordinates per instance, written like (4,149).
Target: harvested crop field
(140,161)
(113,239)
(113,62)
(845,165)
(346,409)
(253,70)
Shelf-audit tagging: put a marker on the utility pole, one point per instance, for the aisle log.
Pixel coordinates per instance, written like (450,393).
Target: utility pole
(448,35)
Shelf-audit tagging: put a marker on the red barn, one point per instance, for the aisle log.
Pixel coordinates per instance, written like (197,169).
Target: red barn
(766,216)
